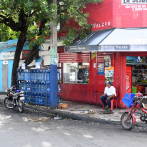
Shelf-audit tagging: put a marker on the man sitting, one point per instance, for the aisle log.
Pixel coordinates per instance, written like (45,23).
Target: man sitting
(108,95)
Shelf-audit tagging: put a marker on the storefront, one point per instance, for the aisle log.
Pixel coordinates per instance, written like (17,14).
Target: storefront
(117,55)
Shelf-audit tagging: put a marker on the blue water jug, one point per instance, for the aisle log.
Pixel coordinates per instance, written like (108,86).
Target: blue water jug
(44,99)
(36,98)
(40,99)
(47,75)
(28,86)
(48,87)
(35,74)
(32,74)
(32,86)
(48,99)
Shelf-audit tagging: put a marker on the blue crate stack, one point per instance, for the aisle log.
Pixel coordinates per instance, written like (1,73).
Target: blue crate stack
(36,85)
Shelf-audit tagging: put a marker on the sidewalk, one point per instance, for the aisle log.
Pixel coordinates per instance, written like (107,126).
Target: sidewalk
(80,111)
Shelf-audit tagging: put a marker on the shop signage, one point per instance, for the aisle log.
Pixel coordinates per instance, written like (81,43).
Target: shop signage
(127,2)
(109,74)
(25,54)
(115,47)
(100,69)
(7,55)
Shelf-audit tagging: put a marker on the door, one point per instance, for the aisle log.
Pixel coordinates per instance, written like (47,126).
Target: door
(129,79)
(4,77)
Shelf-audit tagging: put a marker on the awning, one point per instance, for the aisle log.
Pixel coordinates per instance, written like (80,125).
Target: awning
(112,40)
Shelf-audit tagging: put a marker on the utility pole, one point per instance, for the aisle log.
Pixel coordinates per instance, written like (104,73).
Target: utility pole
(53,61)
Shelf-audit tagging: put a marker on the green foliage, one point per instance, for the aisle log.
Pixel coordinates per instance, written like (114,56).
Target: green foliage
(18,15)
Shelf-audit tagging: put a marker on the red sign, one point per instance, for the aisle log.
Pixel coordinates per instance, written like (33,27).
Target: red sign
(117,14)
(25,54)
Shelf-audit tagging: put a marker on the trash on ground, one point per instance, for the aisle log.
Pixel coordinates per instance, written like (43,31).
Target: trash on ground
(91,112)
(43,119)
(57,118)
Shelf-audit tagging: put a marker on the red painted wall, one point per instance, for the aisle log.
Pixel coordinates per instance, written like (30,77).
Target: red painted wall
(102,13)
(129,15)
(116,14)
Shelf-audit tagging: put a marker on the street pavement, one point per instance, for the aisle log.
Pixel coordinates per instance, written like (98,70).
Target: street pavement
(33,129)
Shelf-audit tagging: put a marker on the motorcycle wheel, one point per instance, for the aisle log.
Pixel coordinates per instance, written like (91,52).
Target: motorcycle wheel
(20,106)
(127,125)
(8,103)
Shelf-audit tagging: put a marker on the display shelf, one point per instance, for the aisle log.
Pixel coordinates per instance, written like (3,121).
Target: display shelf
(136,63)
(139,83)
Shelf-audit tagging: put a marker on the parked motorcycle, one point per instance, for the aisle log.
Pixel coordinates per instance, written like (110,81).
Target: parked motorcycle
(128,119)
(14,98)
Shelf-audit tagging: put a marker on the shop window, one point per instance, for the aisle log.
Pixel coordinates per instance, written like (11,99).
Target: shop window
(76,73)
(138,73)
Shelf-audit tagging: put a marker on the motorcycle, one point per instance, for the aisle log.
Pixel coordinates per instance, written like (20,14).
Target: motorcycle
(128,119)
(14,98)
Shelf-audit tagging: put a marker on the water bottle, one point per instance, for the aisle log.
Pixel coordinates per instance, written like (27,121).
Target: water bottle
(36,98)
(43,75)
(29,74)
(48,99)
(33,98)
(59,89)
(44,99)
(42,87)
(20,86)
(23,86)
(40,99)
(58,99)
(28,86)
(48,87)
(25,76)
(47,75)
(32,86)
(35,74)
(58,77)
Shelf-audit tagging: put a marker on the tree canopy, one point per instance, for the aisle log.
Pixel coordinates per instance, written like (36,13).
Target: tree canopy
(19,18)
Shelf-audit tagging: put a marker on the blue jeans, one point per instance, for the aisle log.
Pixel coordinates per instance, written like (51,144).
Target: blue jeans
(103,98)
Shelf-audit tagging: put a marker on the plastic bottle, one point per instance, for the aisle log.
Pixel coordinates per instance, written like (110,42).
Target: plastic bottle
(28,87)
(48,87)
(43,75)
(58,99)
(35,74)
(48,99)
(47,75)
(32,72)
(32,86)
(36,98)
(59,89)
(44,99)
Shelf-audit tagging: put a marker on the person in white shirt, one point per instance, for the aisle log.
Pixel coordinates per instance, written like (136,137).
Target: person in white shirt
(108,95)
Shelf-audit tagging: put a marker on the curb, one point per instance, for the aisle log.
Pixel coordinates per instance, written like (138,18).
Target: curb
(79,117)
(83,117)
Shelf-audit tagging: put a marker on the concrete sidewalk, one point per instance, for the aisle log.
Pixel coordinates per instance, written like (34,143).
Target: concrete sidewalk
(80,111)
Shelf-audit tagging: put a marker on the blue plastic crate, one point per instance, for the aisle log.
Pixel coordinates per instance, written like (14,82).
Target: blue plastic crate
(127,99)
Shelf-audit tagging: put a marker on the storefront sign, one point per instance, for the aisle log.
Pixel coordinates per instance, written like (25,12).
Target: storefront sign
(7,55)
(25,54)
(128,2)
(100,68)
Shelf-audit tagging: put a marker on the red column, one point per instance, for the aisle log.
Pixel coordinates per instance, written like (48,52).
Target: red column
(120,77)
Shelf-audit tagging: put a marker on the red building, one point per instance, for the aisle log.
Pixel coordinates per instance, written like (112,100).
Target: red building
(116,50)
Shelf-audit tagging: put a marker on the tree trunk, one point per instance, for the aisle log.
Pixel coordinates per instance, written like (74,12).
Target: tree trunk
(31,55)
(20,44)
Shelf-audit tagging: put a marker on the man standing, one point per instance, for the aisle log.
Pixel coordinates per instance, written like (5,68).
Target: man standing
(108,95)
